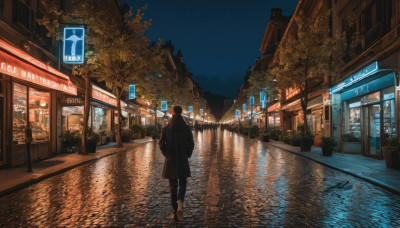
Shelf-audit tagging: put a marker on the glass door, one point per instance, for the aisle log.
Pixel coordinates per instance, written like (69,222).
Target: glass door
(372,130)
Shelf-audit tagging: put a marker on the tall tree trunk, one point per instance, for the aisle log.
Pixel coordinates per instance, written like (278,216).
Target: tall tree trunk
(88,90)
(155,122)
(119,131)
(304,101)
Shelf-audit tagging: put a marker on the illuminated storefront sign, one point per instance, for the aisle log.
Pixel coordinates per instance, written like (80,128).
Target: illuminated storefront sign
(275,107)
(18,69)
(104,97)
(74,45)
(360,75)
(291,92)
(132,92)
(164,106)
(251,100)
(262,96)
(190,109)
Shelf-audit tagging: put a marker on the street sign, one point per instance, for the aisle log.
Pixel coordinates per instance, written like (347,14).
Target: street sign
(262,96)
(132,92)
(74,45)
(264,105)
(244,107)
(237,113)
(201,111)
(164,106)
(251,100)
(190,109)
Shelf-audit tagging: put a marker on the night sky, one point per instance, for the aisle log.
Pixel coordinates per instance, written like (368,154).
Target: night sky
(219,39)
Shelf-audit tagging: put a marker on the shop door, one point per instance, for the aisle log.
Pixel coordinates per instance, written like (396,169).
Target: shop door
(372,130)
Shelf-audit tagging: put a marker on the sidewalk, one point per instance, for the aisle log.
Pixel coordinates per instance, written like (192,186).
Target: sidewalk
(371,170)
(13,179)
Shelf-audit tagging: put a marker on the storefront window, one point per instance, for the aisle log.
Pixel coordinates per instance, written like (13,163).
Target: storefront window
(100,120)
(72,118)
(39,115)
(274,120)
(19,113)
(389,119)
(354,118)
(371,98)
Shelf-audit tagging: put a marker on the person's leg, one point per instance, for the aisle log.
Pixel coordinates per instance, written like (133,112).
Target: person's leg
(182,189)
(181,197)
(173,187)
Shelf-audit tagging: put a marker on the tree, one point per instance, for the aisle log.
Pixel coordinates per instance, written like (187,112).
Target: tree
(124,58)
(307,55)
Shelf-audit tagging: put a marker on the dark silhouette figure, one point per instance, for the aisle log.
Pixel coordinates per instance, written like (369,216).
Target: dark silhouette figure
(177,145)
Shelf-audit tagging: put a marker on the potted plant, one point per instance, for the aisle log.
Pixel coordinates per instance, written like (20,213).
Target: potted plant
(306,142)
(328,144)
(350,144)
(70,141)
(391,153)
(254,131)
(103,137)
(295,139)
(137,131)
(91,141)
(126,135)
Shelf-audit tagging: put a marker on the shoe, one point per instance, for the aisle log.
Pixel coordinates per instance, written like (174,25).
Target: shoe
(174,217)
(179,212)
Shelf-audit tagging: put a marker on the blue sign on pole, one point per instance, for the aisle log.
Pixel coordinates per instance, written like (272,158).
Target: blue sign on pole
(74,45)
(201,111)
(190,109)
(237,113)
(262,96)
(164,106)
(132,92)
(264,105)
(251,100)
(244,107)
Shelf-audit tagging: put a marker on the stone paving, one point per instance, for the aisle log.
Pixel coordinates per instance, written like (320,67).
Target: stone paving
(236,182)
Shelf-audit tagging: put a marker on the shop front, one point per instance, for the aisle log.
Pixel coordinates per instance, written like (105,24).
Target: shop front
(315,118)
(368,109)
(274,116)
(72,112)
(29,93)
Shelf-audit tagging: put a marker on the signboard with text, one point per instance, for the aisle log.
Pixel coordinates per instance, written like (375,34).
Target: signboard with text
(262,96)
(74,45)
(132,92)
(244,107)
(201,111)
(190,109)
(237,113)
(251,100)
(164,106)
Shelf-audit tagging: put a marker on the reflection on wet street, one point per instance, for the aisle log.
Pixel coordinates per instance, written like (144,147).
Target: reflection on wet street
(236,181)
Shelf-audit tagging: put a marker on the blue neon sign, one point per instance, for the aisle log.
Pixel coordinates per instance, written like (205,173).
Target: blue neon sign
(264,105)
(164,106)
(262,96)
(360,75)
(201,111)
(251,100)
(132,92)
(237,113)
(74,45)
(190,109)
(244,107)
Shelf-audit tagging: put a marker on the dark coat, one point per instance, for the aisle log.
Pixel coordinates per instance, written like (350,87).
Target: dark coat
(176,145)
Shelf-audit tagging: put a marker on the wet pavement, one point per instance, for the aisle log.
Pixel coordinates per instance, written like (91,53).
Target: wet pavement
(235,181)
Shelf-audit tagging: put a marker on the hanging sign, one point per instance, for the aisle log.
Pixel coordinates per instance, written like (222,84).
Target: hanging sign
(251,100)
(164,106)
(74,45)
(190,109)
(244,107)
(237,113)
(262,96)
(132,92)
(201,111)
(264,105)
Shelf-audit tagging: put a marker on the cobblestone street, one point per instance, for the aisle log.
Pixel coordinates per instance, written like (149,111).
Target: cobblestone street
(235,181)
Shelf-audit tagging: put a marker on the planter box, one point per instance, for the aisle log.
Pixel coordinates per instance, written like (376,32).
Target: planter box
(350,147)
(392,158)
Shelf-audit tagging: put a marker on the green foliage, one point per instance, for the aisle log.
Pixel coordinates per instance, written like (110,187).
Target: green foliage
(71,141)
(126,135)
(349,138)
(328,143)
(136,128)
(254,131)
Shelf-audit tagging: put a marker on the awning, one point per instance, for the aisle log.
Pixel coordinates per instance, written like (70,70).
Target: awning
(35,71)
(103,96)
(291,105)
(315,102)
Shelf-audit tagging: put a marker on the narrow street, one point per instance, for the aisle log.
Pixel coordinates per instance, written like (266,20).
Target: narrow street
(235,181)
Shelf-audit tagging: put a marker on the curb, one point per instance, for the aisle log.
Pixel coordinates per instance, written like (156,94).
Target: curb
(385,187)
(45,176)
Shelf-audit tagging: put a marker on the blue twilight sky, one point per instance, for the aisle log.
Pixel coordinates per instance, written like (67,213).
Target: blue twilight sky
(219,39)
